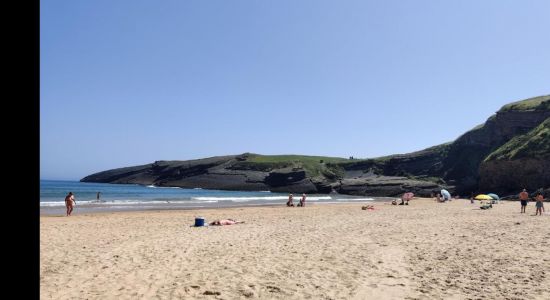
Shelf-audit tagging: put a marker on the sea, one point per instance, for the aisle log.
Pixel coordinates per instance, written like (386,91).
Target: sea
(125,197)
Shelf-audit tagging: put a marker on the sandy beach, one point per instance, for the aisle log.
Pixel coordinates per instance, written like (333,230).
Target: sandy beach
(426,250)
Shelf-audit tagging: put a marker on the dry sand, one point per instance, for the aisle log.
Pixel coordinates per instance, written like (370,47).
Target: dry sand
(327,251)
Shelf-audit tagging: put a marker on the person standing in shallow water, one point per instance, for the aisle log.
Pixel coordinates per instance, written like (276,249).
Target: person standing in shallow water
(98,195)
(523,198)
(69,203)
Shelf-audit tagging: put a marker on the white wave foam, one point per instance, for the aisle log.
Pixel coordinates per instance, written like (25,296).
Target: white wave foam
(314,198)
(354,199)
(260,198)
(52,203)
(121,202)
(194,200)
(62,203)
(150,202)
(162,187)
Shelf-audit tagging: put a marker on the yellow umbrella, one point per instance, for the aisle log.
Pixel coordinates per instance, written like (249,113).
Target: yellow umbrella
(483,197)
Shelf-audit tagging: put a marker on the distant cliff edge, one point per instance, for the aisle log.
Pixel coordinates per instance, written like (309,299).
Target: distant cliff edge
(510,151)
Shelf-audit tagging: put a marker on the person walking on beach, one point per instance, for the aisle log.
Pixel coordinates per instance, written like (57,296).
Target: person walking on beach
(290,201)
(539,204)
(523,198)
(69,203)
(303,200)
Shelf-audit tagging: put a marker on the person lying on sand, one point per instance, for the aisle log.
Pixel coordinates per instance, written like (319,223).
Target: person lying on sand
(487,206)
(226,222)
(369,207)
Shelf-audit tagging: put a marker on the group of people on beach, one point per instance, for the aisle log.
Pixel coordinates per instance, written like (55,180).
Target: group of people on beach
(524,198)
(442,196)
(539,202)
(405,198)
(302,202)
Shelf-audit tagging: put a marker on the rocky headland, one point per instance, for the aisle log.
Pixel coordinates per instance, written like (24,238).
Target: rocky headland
(510,151)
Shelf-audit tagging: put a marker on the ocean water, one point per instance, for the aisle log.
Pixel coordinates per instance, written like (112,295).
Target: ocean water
(115,197)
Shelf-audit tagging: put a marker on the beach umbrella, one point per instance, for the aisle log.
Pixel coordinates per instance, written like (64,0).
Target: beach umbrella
(446,194)
(483,197)
(494,196)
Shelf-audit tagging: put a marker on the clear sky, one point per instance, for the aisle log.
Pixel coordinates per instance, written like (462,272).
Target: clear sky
(125,83)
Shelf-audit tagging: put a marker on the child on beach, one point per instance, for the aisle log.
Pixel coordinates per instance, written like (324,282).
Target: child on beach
(539,204)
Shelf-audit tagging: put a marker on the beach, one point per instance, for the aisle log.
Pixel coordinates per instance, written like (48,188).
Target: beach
(425,250)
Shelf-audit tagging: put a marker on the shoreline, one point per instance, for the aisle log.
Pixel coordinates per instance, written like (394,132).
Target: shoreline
(55,211)
(106,208)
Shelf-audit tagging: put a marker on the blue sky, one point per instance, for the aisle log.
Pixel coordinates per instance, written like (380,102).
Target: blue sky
(129,82)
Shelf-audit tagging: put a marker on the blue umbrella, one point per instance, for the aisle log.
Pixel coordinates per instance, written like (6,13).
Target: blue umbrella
(446,194)
(494,196)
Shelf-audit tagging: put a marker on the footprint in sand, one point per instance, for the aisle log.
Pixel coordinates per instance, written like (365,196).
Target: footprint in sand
(273,289)
(211,293)
(247,294)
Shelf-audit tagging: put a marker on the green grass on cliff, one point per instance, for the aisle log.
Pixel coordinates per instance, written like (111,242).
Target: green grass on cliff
(312,164)
(535,143)
(293,158)
(441,150)
(536,103)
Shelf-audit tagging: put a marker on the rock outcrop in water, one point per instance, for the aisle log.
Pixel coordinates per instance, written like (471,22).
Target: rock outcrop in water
(506,153)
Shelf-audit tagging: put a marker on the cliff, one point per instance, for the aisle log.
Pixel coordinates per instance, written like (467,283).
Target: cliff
(522,162)
(254,172)
(458,163)
(508,152)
